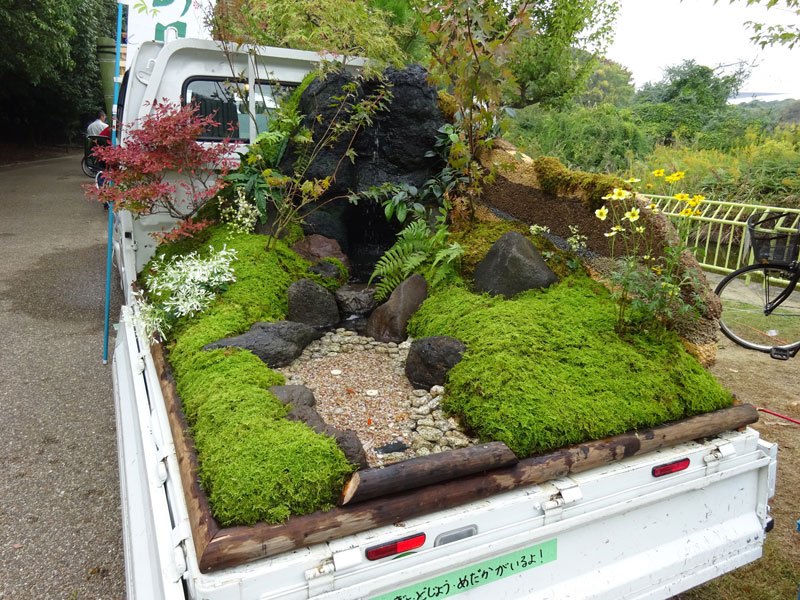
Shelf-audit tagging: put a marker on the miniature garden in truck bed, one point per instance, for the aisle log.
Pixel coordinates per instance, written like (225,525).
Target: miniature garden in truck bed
(319,322)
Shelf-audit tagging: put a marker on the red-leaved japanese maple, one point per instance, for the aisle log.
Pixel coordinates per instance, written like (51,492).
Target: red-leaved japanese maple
(162,168)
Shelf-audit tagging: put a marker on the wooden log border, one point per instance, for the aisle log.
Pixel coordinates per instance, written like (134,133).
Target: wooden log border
(220,548)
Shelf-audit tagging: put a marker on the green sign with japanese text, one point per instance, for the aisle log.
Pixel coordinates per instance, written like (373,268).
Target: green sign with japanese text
(469,578)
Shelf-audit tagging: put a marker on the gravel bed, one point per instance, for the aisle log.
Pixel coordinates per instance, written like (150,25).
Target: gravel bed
(360,384)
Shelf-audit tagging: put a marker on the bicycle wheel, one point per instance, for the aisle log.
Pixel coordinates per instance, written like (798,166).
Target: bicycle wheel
(88,166)
(745,294)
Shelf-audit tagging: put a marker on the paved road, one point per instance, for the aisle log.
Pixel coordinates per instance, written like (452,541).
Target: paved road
(59,498)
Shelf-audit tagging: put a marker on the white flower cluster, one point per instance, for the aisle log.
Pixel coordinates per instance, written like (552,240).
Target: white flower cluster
(150,319)
(539,230)
(187,285)
(241,217)
(576,241)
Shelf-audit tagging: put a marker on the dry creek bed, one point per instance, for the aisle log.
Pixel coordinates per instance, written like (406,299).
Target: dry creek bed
(360,384)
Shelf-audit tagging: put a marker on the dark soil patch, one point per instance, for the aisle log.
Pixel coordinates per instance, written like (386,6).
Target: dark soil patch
(533,206)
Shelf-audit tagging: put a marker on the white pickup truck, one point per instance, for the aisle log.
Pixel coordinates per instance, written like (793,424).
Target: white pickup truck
(649,525)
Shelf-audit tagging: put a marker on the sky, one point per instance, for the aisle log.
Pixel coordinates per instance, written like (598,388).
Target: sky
(653,34)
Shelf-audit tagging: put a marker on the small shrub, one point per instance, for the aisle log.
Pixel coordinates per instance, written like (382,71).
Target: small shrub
(162,168)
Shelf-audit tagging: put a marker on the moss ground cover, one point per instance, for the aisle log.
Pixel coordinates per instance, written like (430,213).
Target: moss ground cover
(254,464)
(546,369)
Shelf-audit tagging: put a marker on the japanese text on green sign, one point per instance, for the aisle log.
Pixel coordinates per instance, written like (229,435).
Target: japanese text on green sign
(474,576)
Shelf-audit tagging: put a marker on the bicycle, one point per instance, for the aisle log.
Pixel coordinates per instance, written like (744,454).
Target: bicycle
(760,301)
(90,165)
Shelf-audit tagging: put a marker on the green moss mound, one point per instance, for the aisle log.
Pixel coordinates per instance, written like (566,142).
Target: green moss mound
(254,464)
(223,372)
(558,180)
(547,369)
(259,469)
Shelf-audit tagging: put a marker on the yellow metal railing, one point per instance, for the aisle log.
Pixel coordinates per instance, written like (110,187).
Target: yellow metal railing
(719,237)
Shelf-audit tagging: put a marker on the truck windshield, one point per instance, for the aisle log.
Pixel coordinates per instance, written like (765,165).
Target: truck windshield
(233,103)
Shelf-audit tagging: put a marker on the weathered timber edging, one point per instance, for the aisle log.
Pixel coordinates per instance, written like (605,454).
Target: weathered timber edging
(426,470)
(220,548)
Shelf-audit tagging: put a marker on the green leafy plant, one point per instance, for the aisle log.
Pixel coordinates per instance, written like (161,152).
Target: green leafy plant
(419,248)
(401,200)
(649,283)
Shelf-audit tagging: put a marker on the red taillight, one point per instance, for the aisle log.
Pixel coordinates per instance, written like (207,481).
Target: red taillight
(405,544)
(673,467)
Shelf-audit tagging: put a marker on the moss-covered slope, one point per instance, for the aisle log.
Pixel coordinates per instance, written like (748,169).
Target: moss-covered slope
(547,369)
(254,464)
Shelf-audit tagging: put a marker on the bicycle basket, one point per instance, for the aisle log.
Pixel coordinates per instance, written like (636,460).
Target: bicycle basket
(770,238)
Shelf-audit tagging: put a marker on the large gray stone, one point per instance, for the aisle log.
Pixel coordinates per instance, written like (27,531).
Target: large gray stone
(512,265)
(388,322)
(295,395)
(356,299)
(277,344)
(312,304)
(430,359)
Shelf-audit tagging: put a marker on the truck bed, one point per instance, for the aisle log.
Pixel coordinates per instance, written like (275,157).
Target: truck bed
(615,531)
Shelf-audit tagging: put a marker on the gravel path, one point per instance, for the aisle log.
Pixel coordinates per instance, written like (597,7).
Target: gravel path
(59,497)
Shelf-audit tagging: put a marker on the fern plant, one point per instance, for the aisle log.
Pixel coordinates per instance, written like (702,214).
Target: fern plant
(421,249)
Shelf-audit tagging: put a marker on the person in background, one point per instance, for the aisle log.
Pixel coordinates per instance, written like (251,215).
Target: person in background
(97,126)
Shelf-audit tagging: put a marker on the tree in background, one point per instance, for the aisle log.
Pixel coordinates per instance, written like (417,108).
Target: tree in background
(355,28)
(554,62)
(681,103)
(609,83)
(603,138)
(406,21)
(49,68)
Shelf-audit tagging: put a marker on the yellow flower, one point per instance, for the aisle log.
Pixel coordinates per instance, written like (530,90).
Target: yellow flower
(648,186)
(697,212)
(699,198)
(640,229)
(617,194)
(617,228)
(632,180)
(676,176)
(632,215)
(686,212)
(658,173)
(610,233)
(682,197)
(657,270)
(601,213)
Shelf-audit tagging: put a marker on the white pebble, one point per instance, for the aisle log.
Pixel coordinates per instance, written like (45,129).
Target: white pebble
(336,372)
(371,393)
